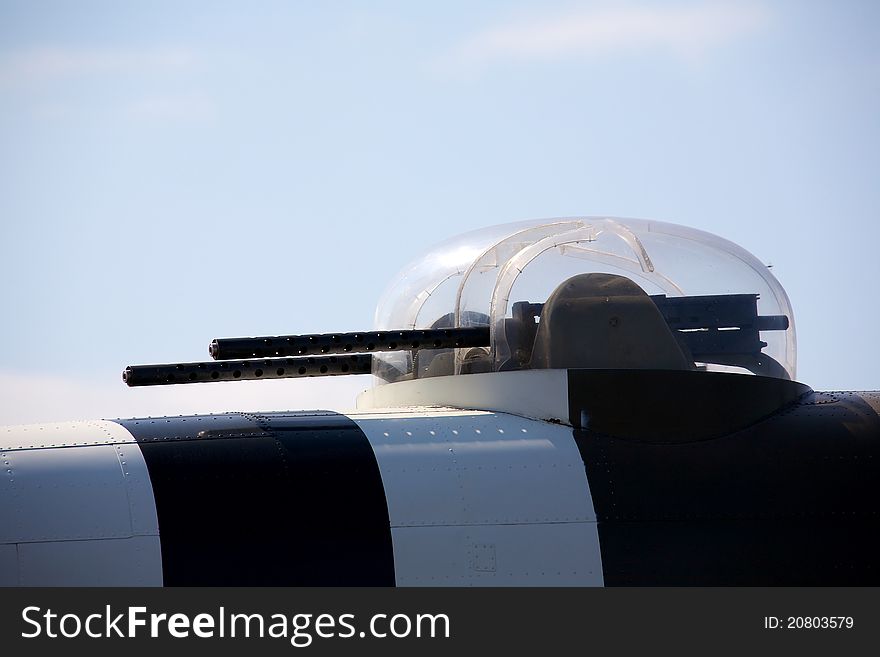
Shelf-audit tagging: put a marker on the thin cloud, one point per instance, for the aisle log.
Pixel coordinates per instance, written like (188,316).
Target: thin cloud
(69,82)
(685,31)
(185,107)
(44,64)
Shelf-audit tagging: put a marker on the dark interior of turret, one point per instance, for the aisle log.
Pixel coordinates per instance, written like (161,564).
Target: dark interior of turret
(441,362)
(609,322)
(605,321)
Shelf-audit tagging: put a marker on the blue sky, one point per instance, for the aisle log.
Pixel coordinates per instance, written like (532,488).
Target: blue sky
(172,172)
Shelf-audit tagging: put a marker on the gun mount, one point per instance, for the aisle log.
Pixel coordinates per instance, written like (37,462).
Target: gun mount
(578,293)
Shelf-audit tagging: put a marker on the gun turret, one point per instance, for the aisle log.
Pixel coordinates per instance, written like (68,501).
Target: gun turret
(720,329)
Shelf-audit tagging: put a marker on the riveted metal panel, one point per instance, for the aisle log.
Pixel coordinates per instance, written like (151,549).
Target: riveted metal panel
(138,489)
(477,468)
(194,427)
(63,494)
(480,498)
(565,554)
(134,561)
(62,434)
(78,513)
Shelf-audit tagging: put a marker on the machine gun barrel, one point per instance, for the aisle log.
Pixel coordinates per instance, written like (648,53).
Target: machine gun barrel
(243,370)
(344,343)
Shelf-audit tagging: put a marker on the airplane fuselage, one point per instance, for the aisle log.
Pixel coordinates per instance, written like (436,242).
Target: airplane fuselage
(444,496)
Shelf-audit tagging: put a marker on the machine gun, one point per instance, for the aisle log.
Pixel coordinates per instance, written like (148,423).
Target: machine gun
(243,359)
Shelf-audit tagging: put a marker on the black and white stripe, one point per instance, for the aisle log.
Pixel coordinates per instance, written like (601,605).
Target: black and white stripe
(445,497)
(281,499)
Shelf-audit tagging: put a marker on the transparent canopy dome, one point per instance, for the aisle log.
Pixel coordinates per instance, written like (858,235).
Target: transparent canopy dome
(588,292)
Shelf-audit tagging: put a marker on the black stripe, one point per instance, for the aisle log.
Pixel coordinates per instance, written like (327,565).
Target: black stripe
(791,500)
(281,499)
